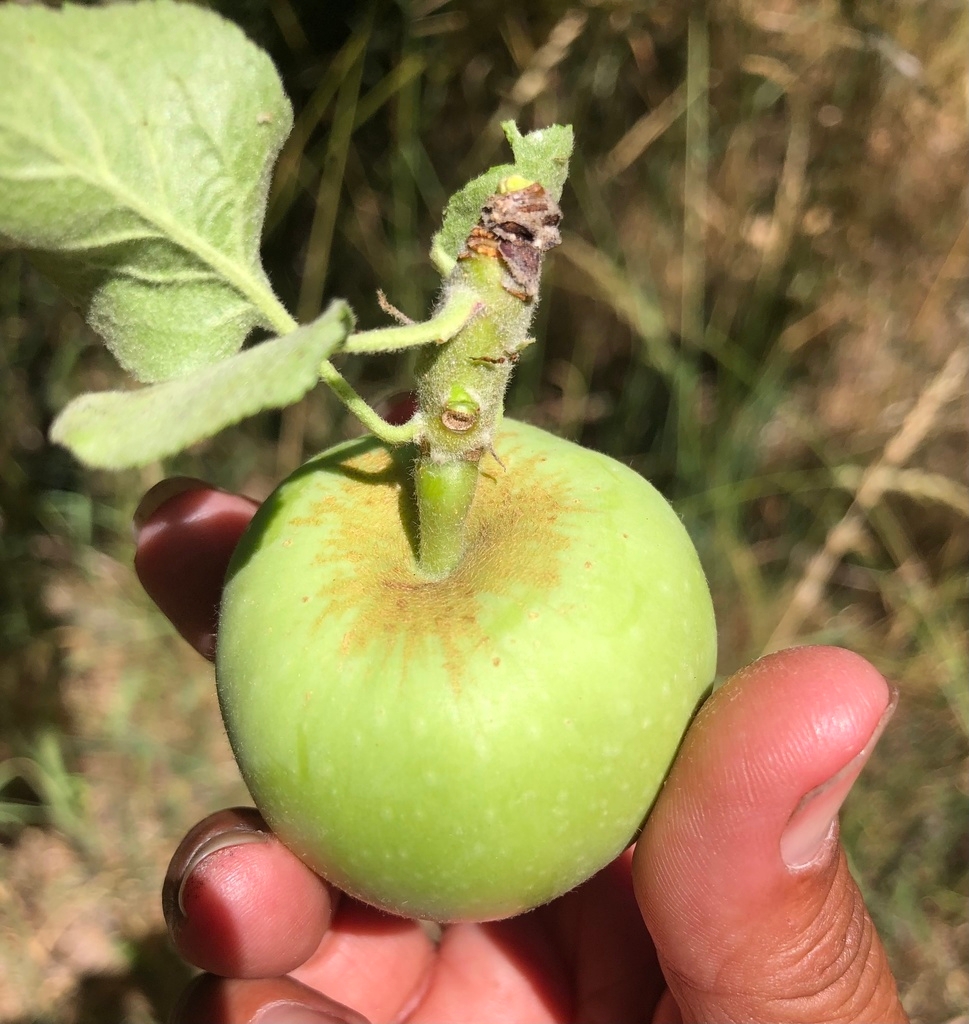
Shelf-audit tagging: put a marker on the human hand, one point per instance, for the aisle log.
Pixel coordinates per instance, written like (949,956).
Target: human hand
(736,905)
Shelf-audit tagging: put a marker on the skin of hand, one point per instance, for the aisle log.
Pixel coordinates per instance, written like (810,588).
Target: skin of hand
(736,904)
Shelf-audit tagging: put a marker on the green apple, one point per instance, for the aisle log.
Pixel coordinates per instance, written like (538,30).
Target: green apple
(468,748)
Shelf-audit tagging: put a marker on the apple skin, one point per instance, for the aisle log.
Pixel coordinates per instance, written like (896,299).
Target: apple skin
(470,748)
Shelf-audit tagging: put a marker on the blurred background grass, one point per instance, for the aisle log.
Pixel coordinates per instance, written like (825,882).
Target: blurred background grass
(760,304)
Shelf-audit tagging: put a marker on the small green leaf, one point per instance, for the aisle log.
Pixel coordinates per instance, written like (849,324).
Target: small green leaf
(541,156)
(136,147)
(119,429)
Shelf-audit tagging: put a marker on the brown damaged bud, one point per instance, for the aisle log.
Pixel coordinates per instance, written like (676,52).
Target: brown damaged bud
(460,412)
(518,226)
(459,420)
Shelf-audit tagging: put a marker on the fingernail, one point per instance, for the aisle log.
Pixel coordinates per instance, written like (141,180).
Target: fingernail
(808,829)
(233,826)
(216,844)
(295,1013)
(156,496)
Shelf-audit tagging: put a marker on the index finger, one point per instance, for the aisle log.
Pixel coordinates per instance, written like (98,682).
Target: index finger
(186,532)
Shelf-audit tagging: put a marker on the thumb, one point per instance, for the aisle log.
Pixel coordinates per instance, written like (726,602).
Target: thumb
(739,873)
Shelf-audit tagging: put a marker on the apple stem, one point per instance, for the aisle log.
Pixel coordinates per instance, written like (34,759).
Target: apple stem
(444,492)
(467,350)
(461,384)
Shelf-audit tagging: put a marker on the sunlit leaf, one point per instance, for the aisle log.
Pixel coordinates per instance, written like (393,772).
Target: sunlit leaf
(136,147)
(117,429)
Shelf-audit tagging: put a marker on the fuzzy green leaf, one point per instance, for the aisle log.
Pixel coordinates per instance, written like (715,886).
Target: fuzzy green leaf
(119,429)
(541,156)
(136,147)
